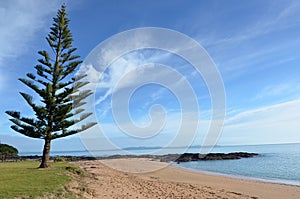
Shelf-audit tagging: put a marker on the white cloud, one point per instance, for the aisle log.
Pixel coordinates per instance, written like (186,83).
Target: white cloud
(277,123)
(129,72)
(107,80)
(290,10)
(173,131)
(154,96)
(2,79)
(273,20)
(287,89)
(265,112)
(20,20)
(243,43)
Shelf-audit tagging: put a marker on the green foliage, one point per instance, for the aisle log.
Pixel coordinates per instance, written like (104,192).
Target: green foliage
(23,180)
(59,159)
(7,151)
(75,170)
(60,98)
(59,94)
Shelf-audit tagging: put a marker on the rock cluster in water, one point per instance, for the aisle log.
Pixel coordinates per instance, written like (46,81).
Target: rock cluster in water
(187,157)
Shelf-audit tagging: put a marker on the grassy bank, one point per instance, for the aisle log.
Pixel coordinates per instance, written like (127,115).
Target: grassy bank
(23,179)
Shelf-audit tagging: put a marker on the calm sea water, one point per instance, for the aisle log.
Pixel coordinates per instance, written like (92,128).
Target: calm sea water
(277,162)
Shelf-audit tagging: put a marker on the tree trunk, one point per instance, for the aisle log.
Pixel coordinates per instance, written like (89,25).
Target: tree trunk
(46,154)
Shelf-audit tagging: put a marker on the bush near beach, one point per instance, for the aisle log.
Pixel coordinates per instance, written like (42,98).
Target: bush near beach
(7,152)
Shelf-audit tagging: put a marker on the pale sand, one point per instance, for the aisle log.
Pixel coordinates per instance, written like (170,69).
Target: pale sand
(171,182)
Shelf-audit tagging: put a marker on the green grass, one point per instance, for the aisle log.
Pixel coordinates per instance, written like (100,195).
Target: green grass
(23,179)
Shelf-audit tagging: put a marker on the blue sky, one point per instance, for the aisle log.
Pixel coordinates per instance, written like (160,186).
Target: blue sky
(254,44)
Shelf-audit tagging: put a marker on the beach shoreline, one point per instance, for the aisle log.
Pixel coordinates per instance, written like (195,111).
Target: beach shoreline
(270,180)
(165,181)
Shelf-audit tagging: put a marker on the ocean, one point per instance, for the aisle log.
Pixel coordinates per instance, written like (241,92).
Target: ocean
(278,163)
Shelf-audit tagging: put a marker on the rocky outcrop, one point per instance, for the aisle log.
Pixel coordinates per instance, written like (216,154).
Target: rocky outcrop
(187,157)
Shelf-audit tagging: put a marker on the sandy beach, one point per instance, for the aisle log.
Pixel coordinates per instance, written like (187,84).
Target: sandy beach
(171,182)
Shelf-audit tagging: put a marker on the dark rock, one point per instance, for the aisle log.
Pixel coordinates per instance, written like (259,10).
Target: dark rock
(187,157)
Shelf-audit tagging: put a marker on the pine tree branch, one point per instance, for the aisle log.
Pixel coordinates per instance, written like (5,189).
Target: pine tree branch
(29,132)
(34,87)
(72,132)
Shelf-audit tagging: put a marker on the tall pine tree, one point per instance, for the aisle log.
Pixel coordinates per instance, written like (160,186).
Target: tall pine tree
(59,93)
